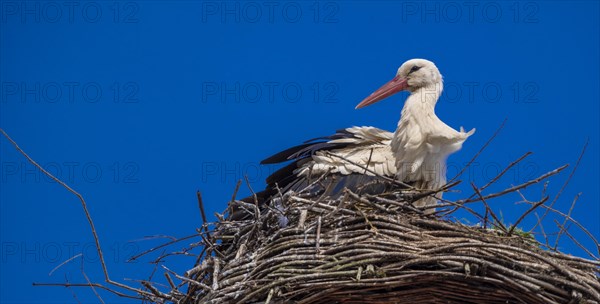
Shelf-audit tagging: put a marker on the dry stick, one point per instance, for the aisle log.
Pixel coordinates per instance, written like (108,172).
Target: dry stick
(189,281)
(89,282)
(565,221)
(270,296)
(496,178)
(89,285)
(448,203)
(480,150)
(197,267)
(368,161)
(87,215)
(235,191)
(359,199)
(204,223)
(202,214)
(318,238)
(216,270)
(485,219)
(403,204)
(255,198)
(171,283)
(505,170)
(577,224)
(151,273)
(565,184)
(72,291)
(318,180)
(518,187)
(237,188)
(577,243)
(63,263)
(184,251)
(161,246)
(87,279)
(535,206)
(546,241)
(155,291)
(443,188)
(488,209)
(525,200)
(212,248)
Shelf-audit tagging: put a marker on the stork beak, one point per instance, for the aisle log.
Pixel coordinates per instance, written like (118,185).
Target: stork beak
(392,87)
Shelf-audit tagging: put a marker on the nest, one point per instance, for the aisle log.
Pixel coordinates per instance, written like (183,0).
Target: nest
(299,248)
(379,249)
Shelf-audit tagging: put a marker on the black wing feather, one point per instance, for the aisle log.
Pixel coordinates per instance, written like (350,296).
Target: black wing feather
(319,146)
(341,133)
(309,147)
(284,155)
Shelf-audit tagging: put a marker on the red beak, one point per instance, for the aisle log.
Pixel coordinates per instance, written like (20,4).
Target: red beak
(392,87)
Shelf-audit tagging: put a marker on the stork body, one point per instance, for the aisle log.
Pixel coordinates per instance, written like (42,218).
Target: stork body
(360,158)
(422,142)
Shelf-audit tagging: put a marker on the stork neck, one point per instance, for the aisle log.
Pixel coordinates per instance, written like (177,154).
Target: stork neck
(425,97)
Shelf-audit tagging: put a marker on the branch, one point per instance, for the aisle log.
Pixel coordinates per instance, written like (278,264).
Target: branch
(480,150)
(87,215)
(566,182)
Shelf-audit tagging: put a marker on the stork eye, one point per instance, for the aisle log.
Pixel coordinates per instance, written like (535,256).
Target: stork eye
(414,69)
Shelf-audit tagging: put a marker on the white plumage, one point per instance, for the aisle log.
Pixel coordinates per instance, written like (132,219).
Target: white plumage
(368,147)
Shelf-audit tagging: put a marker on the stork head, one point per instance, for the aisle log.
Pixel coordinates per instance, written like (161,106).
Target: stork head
(412,75)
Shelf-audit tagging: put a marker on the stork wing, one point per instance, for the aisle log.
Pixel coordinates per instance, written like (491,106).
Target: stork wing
(351,154)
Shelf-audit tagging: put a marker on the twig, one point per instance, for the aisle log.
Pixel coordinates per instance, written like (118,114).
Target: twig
(577,243)
(485,218)
(189,281)
(63,263)
(546,240)
(318,238)
(171,283)
(72,291)
(155,291)
(87,215)
(566,219)
(488,209)
(572,220)
(426,193)
(566,182)
(89,282)
(496,178)
(137,256)
(235,191)
(368,161)
(535,206)
(318,180)
(216,270)
(202,214)
(518,187)
(480,150)
(448,203)
(97,285)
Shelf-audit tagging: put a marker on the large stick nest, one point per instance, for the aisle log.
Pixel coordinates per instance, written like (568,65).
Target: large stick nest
(299,248)
(373,249)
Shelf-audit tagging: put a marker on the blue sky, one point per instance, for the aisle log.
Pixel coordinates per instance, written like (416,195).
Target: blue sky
(137,105)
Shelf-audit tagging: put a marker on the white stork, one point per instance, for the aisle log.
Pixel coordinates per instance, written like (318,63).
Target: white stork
(357,157)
